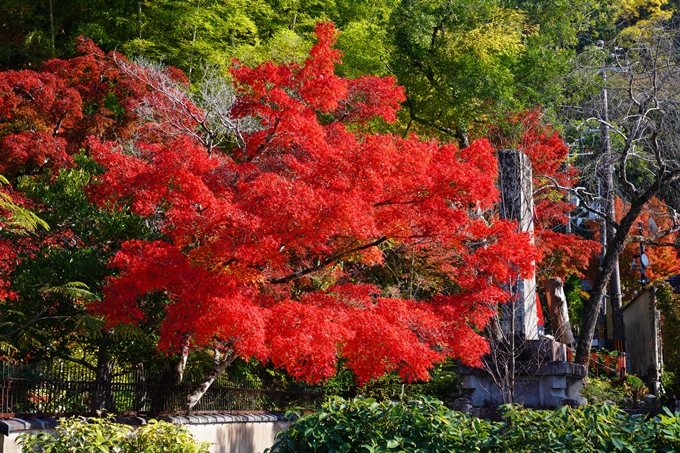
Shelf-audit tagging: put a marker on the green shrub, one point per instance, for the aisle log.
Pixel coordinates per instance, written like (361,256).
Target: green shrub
(603,389)
(635,388)
(103,435)
(163,437)
(443,385)
(366,426)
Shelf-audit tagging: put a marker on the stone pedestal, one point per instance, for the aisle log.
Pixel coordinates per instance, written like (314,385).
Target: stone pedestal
(544,378)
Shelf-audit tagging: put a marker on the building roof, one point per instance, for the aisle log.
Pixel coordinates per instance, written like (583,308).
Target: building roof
(674,281)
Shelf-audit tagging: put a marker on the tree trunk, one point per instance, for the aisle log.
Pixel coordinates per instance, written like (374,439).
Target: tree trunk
(221,363)
(140,380)
(182,362)
(52,49)
(462,137)
(607,267)
(559,313)
(617,309)
(102,396)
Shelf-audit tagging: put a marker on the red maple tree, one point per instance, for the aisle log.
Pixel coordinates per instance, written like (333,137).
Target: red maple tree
(255,237)
(45,117)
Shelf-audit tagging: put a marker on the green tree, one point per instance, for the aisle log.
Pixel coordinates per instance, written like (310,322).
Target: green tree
(189,34)
(455,59)
(466,63)
(32,31)
(48,318)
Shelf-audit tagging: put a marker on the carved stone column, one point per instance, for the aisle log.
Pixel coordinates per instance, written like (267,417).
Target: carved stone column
(514,167)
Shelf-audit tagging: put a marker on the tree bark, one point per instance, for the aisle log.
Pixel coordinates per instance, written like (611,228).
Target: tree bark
(221,362)
(182,362)
(610,211)
(617,309)
(607,267)
(559,313)
(610,261)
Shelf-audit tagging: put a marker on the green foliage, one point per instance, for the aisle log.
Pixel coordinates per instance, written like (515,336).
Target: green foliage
(600,390)
(575,297)
(443,385)
(635,388)
(285,46)
(66,269)
(163,437)
(78,435)
(365,425)
(102,435)
(466,64)
(188,34)
(18,220)
(364,44)
(455,60)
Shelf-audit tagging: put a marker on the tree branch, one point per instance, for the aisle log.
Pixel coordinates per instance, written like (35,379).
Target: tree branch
(325,262)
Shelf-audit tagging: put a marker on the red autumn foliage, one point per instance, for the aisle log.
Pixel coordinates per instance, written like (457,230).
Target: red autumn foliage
(35,108)
(46,115)
(255,237)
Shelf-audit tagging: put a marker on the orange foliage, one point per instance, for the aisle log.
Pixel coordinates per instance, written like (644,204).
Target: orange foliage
(663,259)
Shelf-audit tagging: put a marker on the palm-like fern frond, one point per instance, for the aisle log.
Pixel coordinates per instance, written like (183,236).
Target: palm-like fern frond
(20,220)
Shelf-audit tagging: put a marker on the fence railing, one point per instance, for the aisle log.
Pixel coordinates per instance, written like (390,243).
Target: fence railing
(604,363)
(60,388)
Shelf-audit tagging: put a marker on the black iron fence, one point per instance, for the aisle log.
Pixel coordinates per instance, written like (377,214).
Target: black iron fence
(65,388)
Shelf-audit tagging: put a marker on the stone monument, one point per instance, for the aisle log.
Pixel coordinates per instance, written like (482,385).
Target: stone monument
(517,203)
(535,367)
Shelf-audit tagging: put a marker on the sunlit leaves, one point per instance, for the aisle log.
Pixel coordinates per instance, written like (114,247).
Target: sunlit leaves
(252,238)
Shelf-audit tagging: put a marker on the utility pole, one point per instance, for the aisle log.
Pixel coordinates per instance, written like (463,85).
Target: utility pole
(608,232)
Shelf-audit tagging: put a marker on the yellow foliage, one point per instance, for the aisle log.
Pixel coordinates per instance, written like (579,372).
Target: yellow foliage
(499,36)
(642,15)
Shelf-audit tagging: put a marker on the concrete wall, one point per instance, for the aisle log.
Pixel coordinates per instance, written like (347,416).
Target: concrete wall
(226,433)
(234,434)
(641,319)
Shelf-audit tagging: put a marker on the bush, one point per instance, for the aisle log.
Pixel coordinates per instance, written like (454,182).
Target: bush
(603,389)
(443,385)
(635,388)
(366,426)
(97,435)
